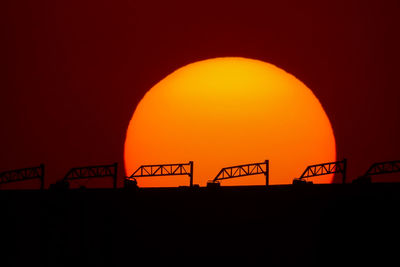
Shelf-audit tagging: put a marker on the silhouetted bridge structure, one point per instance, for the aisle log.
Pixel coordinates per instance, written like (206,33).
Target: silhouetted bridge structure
(163,170)
(240,171)
(323,169)
(24,174)
(110,171)
(377,169)
(89,172)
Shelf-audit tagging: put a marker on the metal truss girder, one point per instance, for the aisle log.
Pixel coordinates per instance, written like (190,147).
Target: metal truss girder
(322,169)
(326,168)
(164,170)
(243,170)
(383,167)
(23,174)
(98,171)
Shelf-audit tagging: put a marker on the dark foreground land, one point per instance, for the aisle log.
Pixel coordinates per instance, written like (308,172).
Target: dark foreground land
(314,225)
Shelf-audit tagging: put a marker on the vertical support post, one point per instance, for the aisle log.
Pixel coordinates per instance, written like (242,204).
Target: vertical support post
(42,177)
(266,172)
(115,175)
(191,173)
(344,171)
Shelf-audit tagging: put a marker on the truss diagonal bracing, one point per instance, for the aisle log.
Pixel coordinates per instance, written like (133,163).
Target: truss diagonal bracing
(23,174)
(93,172)
(383,167)
(244,170)
(326,168)
(164,170)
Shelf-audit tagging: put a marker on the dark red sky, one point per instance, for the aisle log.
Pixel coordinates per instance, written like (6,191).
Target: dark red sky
(73,71)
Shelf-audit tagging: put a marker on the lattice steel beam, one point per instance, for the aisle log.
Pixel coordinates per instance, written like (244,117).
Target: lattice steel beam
(23,174)
(326,168)
(383,167)
(164,170)
(244,170)
(93,172)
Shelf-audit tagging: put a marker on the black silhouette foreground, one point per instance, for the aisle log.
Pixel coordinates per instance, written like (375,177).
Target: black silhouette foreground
(318,225)
(351,224)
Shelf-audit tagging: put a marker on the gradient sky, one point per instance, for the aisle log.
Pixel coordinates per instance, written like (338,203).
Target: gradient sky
(73,71)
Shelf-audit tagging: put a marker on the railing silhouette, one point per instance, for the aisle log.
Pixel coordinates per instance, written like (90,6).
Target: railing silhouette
(377,169)
(242,170)
(164,170)
(97,171)
(23,174)
(323,169)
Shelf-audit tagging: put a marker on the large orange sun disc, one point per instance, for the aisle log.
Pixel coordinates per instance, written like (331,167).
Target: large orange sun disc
(229,111)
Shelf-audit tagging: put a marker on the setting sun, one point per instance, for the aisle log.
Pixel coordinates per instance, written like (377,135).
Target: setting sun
(228,111)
